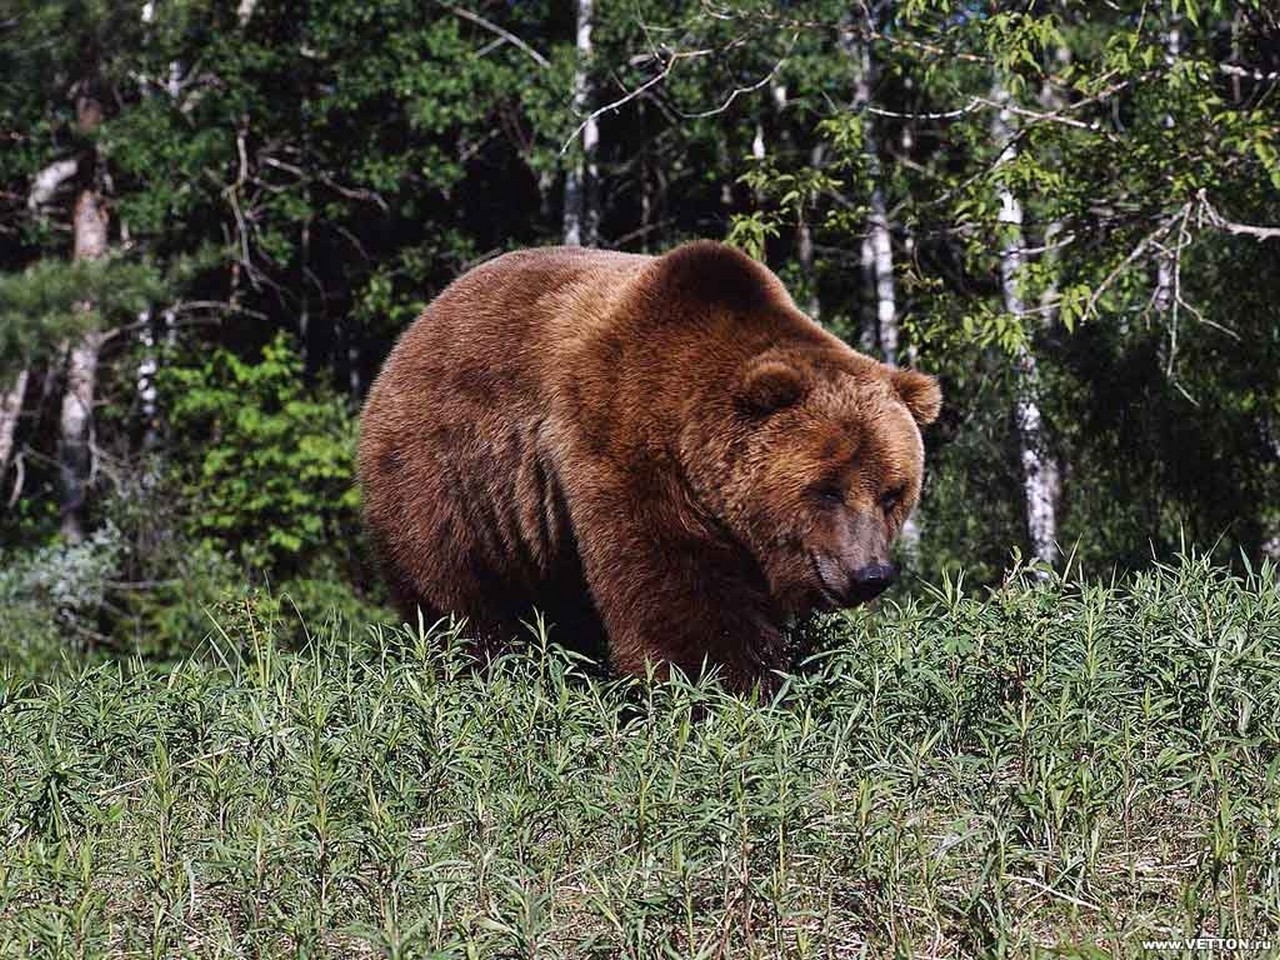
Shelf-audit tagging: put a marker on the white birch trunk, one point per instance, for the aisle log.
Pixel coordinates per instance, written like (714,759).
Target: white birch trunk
(880,241)
(148,367)
(48,181)
(546,200)
(646,185)
(804,248)
(726,187)
(10,411)
(75,454)
(1040,475)
(1162,296)
(581,182)
(877,252)
(44,186)
(304,297)
(149,362)
(355,385)
(882,271)
(758,154)
(877,248)
(867,336)
(804,254)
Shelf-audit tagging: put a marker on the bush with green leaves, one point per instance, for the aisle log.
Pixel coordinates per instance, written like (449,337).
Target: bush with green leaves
(264,461)
(51,599)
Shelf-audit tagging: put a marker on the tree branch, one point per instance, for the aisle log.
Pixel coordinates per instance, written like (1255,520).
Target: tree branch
(1232,70)
(738,91)
(1211,216)
(492,27)
(46,182)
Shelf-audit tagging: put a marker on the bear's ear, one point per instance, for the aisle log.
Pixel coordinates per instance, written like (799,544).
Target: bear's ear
(771,385)
(920,392)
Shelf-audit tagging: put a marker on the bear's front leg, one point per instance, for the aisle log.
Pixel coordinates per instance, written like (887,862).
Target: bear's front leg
(680,600)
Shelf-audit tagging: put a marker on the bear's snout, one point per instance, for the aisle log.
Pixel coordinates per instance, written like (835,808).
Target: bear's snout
(843,586)
(870,581)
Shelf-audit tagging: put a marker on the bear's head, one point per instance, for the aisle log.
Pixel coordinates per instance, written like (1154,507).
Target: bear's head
(821,470)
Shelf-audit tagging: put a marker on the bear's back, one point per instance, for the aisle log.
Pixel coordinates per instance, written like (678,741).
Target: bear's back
(525,298)
(457,481)
(484,336)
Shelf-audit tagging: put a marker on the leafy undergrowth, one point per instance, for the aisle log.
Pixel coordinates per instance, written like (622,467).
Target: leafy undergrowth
(1078,767)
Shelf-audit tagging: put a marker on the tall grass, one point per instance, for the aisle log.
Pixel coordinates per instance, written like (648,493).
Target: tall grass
(1052,765)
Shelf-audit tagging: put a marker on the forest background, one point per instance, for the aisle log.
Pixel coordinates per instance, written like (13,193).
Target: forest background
(216,218)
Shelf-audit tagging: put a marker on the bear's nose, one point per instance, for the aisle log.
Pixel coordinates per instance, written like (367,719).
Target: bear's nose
(872,580)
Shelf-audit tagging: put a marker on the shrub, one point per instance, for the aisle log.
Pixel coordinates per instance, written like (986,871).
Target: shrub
(264,463)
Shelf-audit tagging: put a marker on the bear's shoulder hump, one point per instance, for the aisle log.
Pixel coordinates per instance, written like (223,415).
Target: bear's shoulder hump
(707,273)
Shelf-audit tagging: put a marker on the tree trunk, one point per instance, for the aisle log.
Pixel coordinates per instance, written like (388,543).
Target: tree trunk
(148,367)
(10,411)
(877,247)
(879,240)
(546,197)
(804,248)
(882,272)
(305,333)
(149,362)
(1163,296)
(646,183)
(75,453)
(867,335)
(46,183)
(581,182)
(726,185)
(877,253)
(1040,475)
(355,385)
(758,154)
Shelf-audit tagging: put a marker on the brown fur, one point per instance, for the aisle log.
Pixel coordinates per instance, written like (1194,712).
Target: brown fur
(663,454)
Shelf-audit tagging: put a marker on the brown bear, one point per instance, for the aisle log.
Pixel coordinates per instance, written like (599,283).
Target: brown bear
(663,454)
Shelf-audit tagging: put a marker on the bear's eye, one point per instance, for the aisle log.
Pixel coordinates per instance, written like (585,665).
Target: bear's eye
(890,499)
(830,493)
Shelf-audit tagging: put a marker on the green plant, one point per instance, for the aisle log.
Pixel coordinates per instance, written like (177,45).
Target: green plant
(264,462)
(1050,767)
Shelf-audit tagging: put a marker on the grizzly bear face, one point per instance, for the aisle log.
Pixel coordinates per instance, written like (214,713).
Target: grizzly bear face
(824,467)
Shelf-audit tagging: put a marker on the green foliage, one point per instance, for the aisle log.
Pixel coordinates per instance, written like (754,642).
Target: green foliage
(264,466)
(1047,768)
(46,303)
(51,600)
(751,232)
(326,169)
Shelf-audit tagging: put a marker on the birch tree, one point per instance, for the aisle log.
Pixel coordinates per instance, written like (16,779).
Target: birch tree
(89,232)
(47,183)
(877,243)
(75,450)
(581,189)
(804,245)
(1163,294)
(1039,470)
(882,327)
(10,410)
